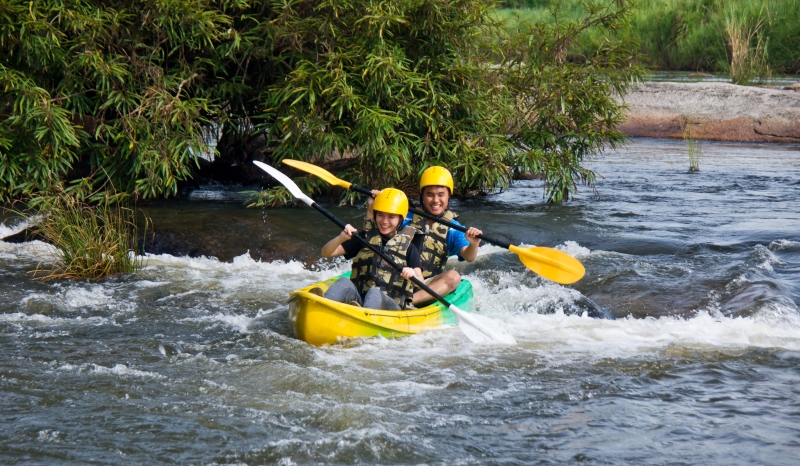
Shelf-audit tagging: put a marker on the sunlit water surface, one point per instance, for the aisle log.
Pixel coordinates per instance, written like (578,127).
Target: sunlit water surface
(192,361)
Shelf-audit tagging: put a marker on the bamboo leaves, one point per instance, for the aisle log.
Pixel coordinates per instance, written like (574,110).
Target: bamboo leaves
(121,94)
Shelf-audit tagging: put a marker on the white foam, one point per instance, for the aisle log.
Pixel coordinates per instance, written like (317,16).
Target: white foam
(19,317)
(74,297)
(8,230)
(574,249)
(561,337)
(623,337)
(507,297)
(120,370)
(49,436)
(36,250)
(783,244)
(93,296)
(514,300)
(767,258)
(242,271)
(238,323)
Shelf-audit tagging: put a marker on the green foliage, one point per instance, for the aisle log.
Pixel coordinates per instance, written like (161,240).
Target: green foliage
(693,34)
(92,241)
(273,197)
(401,85)
(692,144)
(746,63)
(279,195)
(405,85)
(567,112)
(99,94)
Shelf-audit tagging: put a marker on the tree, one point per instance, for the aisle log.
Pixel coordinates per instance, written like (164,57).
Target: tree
(122,95)
(404,85)
(101,95)
(563,108)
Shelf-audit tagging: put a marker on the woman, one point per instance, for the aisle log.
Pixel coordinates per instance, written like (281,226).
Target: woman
(373,283)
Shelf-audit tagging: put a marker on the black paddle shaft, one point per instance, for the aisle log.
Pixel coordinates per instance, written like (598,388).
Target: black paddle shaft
(436,219)
(377,251)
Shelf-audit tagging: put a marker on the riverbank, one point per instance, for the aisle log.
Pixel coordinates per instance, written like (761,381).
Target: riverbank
(714,111)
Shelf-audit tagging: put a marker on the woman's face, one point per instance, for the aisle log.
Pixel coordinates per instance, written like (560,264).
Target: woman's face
(387,223)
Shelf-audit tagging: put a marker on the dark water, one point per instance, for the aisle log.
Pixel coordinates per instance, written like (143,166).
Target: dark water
(191,360)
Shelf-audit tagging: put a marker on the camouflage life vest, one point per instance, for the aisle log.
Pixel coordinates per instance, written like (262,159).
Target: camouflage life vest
(370,270)
(434,253)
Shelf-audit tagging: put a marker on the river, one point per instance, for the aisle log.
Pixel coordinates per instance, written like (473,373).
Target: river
(192,361)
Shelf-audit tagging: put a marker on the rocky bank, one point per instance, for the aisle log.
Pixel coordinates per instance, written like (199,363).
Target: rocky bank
(713,111)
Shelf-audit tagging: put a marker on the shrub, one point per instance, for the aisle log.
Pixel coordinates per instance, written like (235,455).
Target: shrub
(92,241)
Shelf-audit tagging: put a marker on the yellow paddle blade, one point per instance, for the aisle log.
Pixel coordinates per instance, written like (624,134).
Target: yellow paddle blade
(550,263)
(318,172)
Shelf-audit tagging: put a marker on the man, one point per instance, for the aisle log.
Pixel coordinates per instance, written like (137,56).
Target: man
(437,242)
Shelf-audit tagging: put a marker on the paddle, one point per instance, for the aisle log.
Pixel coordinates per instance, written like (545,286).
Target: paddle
(479,329)
(550,263)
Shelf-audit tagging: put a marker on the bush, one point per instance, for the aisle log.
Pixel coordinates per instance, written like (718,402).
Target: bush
(92,241)
(99,94)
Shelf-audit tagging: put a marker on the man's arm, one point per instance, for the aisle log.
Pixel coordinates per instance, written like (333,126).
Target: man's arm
(470,252)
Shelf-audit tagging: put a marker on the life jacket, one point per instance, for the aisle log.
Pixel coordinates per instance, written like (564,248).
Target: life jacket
(370,270)
(434,253)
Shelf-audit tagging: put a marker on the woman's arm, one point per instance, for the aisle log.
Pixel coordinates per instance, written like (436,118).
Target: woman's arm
(370,214)
(333,248)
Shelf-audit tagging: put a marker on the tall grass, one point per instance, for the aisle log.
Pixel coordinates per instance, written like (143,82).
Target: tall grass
(92,241)
(747,62)
(694,34)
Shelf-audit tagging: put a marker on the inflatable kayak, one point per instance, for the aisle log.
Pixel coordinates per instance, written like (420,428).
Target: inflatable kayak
(320,321)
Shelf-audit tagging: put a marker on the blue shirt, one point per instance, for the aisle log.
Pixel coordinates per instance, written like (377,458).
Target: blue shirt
(456,239)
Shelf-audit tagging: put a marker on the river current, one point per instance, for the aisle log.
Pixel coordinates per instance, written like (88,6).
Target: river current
(192,361)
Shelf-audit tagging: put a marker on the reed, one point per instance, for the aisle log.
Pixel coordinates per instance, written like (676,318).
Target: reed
(92,241)
(692,144)
(747,63)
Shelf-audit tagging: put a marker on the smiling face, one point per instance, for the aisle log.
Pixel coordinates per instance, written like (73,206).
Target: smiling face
(387,223)
(435,199)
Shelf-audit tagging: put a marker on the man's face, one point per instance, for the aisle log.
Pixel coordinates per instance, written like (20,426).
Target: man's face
(435,199)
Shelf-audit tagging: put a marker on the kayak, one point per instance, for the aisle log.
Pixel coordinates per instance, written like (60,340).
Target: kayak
(320,321)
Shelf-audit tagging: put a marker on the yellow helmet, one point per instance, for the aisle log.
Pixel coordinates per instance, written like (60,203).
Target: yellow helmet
(391,201)
(436,176)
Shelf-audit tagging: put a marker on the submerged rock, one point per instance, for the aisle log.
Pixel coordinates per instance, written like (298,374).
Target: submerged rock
(592,309)
(224,248)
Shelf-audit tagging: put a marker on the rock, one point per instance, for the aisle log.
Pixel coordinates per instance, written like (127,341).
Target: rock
(222,246)
(28,234)
(793,87)
(700,75)
(715,111)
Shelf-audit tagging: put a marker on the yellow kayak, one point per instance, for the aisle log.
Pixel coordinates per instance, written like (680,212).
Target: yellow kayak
(320,321)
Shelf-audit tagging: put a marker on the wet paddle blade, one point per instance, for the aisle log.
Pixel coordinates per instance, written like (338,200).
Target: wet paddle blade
(551,264)
(319,172)
(284,180)
(481,329)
